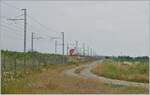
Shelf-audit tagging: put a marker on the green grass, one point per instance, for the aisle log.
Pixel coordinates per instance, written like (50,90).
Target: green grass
(138,71)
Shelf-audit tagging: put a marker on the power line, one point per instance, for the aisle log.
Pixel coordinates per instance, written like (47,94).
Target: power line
(6,26)
(22,27)
(33,27)
(10,5)
(6,18)
(13,25)
(45,27)
(63,48)
(46,35)
(16,35)
(15,30)
(41,25)
(33,19)
(8,31)
(11,29)
(25,25)
(3,17)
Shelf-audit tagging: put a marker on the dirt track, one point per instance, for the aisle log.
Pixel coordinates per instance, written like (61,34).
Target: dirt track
(86,73)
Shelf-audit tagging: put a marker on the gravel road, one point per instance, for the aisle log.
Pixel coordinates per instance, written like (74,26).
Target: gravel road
(86,73)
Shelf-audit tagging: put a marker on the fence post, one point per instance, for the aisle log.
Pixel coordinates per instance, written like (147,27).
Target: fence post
(37,62)
(32,60)
(4,62)
(15,62)
(24,59)
(3,66)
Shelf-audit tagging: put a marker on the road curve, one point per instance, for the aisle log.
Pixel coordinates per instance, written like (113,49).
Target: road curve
(86,73)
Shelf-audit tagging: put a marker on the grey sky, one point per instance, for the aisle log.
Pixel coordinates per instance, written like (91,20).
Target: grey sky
(111,28)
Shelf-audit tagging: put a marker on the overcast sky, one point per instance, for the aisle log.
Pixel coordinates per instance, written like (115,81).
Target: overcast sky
(111,28)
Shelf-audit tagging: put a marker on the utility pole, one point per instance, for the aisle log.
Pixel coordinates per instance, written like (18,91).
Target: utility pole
(67,48)
(79,51)
(55,46)
(91,52)
(32,41)
(76,43)
(25,30)
(63,46)
(88,50)
(54,38)
(25,26)
(83,49)
(50,45)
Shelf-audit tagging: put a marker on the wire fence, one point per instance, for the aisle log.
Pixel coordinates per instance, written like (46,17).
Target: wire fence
(17,65)
(14,63)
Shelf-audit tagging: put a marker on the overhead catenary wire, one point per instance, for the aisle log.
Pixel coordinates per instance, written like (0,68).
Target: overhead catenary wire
(15,30)
(44,27)
(12,33)
(3,17)
(6,19)
(10,5)
(12,25)
(46,36)
(33,19)
(19,27)
(34,29)
(11,28)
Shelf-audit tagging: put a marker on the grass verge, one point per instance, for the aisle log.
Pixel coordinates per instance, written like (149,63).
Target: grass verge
(138,72)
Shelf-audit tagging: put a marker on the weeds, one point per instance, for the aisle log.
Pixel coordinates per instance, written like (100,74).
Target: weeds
(118,70)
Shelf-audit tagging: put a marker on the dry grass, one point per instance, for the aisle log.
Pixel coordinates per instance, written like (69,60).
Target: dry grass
(131,72)
(54,80)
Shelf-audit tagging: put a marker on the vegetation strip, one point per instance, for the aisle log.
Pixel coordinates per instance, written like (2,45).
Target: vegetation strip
(123,70)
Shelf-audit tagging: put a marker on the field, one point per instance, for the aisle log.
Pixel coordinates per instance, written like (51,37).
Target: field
(47,75)
(54,81)
(17,66)
(137,71)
